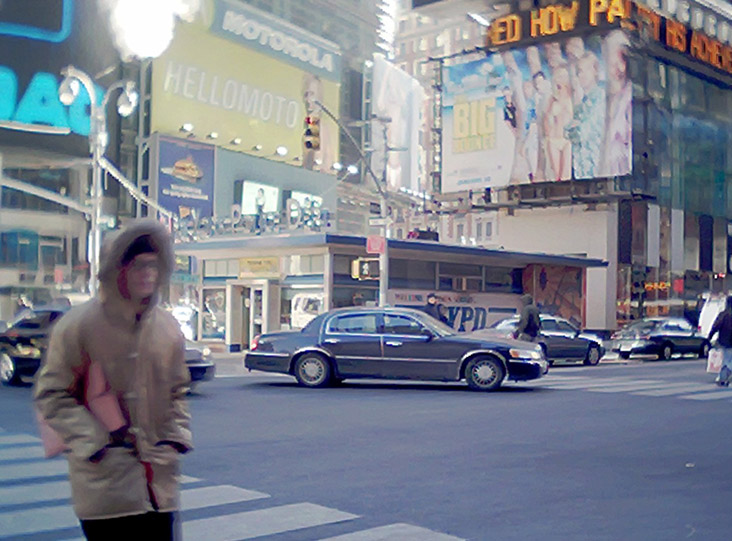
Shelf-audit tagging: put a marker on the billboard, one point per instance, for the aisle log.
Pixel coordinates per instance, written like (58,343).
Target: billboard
(556,111)
(186,177)
(35,44)
(214,77)
(397,103)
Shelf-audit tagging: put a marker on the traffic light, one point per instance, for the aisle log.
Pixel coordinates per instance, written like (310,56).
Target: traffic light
(312,132)
(365,268)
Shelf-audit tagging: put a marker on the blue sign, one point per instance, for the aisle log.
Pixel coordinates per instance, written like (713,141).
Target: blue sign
(186,177)
(258,30)
(52,24)
(35,45)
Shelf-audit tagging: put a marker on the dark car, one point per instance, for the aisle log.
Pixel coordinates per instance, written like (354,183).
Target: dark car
(198,359)
(392,343)
(24,342)
(661,337)
(560,340)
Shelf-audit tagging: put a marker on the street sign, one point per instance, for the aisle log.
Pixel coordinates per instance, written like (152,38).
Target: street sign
(377,221)
(375,244)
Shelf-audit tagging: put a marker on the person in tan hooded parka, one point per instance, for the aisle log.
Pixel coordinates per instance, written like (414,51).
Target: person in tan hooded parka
(124,482)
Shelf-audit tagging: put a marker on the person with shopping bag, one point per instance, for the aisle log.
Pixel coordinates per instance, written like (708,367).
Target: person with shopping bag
(722,327)
(123,473)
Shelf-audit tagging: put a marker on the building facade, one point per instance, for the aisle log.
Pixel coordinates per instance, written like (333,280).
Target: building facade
(600,129)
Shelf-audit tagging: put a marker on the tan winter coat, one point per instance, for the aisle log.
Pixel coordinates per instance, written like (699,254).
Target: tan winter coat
(143,361)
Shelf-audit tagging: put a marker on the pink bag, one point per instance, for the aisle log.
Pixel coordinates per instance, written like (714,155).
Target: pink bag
(99,399)
(714,360)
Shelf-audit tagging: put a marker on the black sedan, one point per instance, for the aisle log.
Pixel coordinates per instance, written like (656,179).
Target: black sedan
(661,337)
(24,342)
(392,343)
(560,340)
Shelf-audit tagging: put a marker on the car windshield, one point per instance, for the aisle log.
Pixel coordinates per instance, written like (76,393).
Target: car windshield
(644,325)
(436,326)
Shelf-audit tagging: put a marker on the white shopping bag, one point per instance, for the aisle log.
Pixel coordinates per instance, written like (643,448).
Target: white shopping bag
(714,361)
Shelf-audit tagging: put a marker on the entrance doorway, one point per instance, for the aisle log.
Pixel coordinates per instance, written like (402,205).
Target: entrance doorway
(252,309)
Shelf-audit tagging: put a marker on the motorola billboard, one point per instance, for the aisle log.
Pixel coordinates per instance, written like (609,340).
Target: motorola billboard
(35,44)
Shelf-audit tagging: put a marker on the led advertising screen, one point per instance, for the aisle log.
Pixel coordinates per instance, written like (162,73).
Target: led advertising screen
(551,112)
(255,195)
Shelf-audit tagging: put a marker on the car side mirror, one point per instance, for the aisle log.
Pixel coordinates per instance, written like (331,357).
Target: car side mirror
(427,334)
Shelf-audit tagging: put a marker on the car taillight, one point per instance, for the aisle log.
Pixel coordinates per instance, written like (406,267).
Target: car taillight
(255,343)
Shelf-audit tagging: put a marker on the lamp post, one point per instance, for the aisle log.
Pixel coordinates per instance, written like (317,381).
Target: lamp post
(384,255)
(98,141)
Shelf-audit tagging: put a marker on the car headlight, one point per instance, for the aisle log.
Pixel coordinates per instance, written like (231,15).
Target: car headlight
(524,354)
(28,351)
(206,352)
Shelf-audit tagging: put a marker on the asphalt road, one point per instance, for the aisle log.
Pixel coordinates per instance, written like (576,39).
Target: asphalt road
(638,451)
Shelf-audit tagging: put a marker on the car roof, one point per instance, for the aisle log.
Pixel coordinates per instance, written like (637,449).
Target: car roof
(362,309)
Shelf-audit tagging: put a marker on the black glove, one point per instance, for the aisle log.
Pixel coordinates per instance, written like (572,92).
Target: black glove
(182,449)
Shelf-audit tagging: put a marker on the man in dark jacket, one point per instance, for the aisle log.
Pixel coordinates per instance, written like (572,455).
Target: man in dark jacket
(529,322)
(434,309)
(723,327)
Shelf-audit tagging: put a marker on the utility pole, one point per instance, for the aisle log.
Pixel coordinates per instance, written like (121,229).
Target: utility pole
(384,207)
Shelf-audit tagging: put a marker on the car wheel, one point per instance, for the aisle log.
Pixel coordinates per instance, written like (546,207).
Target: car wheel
(593,355)
(704,351)
(484,374)
(312,370)
(666,351)
(8,373)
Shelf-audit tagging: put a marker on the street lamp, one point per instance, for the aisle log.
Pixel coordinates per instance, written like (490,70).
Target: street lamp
(98,140)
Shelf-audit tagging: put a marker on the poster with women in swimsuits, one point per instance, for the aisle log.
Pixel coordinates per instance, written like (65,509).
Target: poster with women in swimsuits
(548,112)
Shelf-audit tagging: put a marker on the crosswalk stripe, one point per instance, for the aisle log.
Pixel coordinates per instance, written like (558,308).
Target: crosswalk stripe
(35,493)
(20,453)
(34,469)
(676,389)
(12,439)
(712,395)
(187,479)
(581,381)
(620,388)
(198,498)
(270,521)
(32,521)
(596,383)
(395,532)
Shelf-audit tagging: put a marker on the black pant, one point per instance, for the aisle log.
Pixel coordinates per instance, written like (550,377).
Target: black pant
(152,526)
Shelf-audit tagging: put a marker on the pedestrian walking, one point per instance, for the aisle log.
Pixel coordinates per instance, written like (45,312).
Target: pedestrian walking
(124,483)
(529,321)
(722,327)
(435,309)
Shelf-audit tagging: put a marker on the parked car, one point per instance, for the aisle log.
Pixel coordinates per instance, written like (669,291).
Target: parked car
(560,340)
(200,365)
(24,342)
(659,336)
(392,343)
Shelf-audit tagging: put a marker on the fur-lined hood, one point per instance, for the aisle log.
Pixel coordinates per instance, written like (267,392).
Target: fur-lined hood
(117,243)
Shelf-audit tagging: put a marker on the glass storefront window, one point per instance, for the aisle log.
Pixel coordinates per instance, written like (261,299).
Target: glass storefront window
(299,306)
(214,313)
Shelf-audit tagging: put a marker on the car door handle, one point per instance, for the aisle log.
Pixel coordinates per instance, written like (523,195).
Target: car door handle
(331,340)
(393,343)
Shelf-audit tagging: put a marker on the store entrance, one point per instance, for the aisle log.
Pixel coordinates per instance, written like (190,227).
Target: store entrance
(252,310)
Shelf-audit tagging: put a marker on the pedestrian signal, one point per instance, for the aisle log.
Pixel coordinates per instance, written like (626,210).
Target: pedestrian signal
(365,268)
(312,132)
